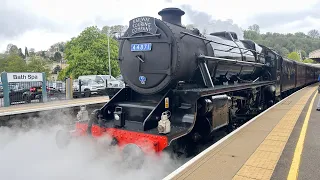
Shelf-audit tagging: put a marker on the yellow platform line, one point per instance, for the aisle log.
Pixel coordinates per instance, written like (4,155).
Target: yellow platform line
(262,162)
(294,168)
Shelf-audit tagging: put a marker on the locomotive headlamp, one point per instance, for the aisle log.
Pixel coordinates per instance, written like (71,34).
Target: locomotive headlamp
(116,117)
(119,117)
(164,125)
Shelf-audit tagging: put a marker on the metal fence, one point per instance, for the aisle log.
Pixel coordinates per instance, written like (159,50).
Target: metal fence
(25,92)
(31,92)
(56,90)
(90,88)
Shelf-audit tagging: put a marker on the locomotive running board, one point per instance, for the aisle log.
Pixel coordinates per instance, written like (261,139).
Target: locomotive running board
(230,61)
(201,92)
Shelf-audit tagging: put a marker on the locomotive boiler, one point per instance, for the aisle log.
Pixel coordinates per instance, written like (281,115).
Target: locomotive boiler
(182,86)
(156,54)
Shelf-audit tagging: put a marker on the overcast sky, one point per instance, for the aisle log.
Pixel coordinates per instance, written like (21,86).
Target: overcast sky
(41,23)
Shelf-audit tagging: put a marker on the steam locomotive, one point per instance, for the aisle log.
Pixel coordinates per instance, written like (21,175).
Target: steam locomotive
(183,86)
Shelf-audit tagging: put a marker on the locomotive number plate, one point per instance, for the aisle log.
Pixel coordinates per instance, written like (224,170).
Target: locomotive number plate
(141,47)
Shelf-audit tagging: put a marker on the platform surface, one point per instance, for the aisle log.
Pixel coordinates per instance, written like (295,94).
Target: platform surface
(34,107)
(262,149)
(301,156)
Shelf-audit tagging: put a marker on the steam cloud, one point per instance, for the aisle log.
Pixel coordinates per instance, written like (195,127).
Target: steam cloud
(204,21)
(32,154)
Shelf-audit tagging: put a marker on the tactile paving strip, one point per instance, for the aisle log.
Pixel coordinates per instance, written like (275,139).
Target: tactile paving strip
(262,162)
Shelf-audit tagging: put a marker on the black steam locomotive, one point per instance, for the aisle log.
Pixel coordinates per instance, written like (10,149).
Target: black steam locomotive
(183,86)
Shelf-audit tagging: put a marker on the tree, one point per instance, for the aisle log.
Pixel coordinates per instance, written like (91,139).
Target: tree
(32,52)
(300,34)
(57,56)
(13,63)
(43,54)
(38,64)
(13,50)
(59,46)
(88,54)
(112,30)
(8,48)
(294,56)
(255,28)
(253,35)
(21,54)
(3,61)
(56,69)
(26,53)
(314,33)
(285,43)
(62,75)
(303,54)
(105,30)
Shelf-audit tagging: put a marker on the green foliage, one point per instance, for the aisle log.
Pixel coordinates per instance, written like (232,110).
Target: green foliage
(62,75)
(309,61)
(57,56)
(314,33)
(13,50)
(32,52)
(252,35)
(88,54)
(294,56)
(43,54)
(284,43)
(60,46)
(26,52)
(255,28)
(38,64)
(2,62)
(112,30)
(303,54)
(13,63)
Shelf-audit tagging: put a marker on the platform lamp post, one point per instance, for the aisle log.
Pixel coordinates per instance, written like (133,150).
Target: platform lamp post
(109,33)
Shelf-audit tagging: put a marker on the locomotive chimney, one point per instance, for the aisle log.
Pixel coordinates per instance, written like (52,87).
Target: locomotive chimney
(172,15)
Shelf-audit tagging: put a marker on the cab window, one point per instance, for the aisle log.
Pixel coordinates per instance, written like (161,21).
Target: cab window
(99,80)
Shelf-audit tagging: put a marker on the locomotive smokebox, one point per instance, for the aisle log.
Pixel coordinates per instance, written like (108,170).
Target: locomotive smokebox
(172,15)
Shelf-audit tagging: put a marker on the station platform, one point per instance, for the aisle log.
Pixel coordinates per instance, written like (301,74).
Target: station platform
(283,142)
(52,105)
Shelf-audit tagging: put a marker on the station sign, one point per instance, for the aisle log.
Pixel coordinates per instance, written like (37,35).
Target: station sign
(24,77)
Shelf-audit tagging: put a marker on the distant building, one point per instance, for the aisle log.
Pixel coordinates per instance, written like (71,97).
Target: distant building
(315,55)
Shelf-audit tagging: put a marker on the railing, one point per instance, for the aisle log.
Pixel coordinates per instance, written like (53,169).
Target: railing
(31,91)
(82,89)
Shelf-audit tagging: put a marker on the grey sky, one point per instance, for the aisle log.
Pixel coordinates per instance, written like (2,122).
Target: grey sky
(266,20)
(41,23)
(14,22)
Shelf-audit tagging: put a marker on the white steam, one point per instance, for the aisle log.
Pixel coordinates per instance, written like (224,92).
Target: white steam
(33,155)
(206,24)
